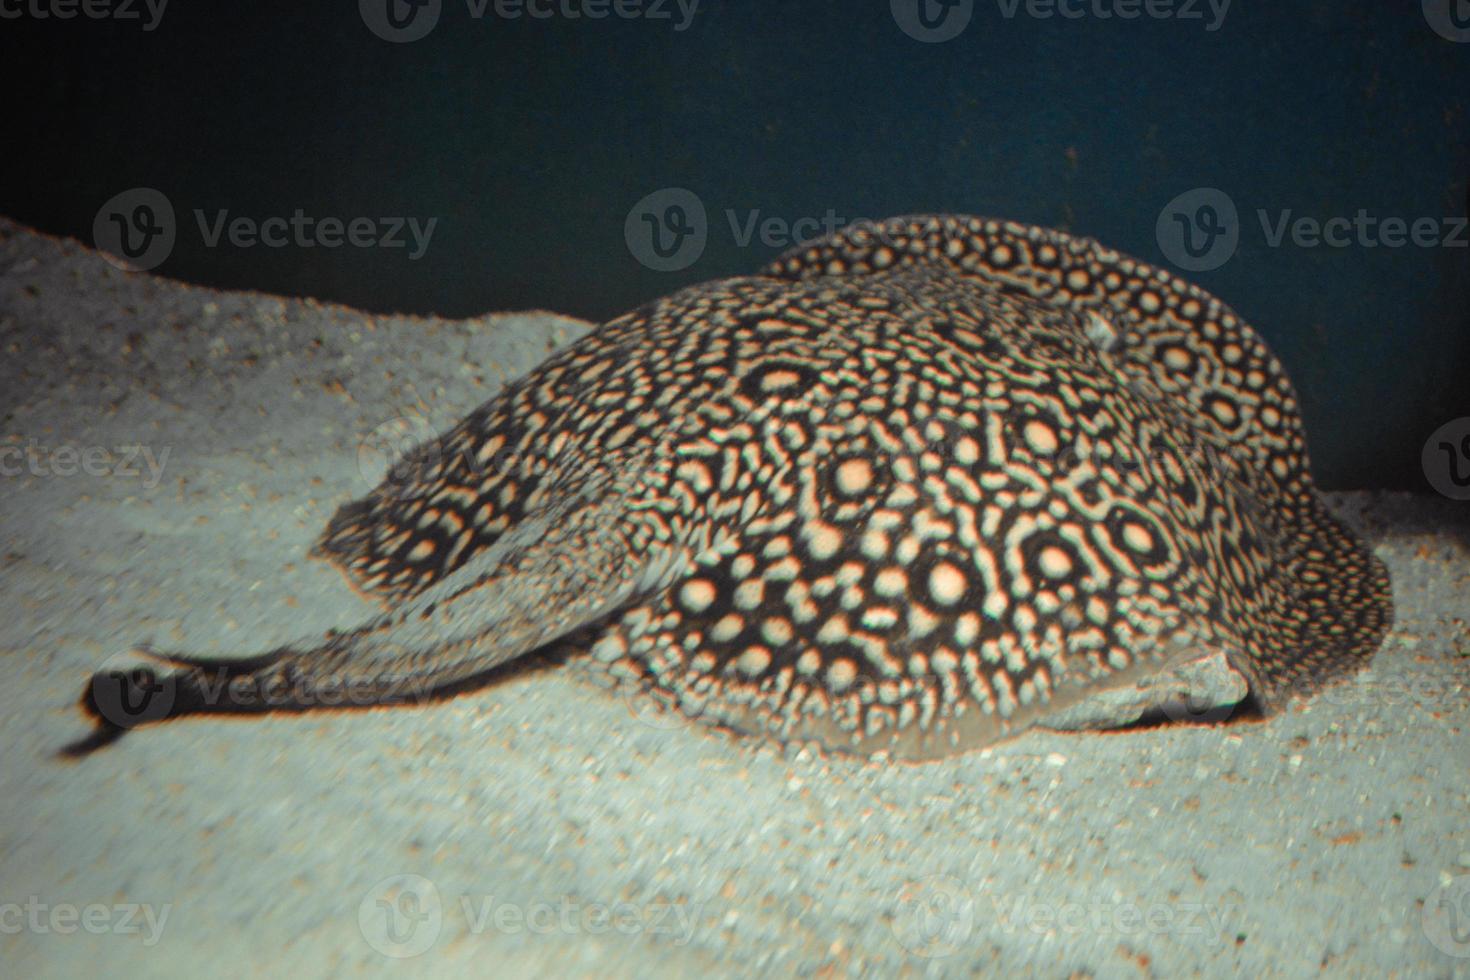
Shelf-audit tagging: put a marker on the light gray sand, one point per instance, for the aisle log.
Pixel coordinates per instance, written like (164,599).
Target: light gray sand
(1333,838)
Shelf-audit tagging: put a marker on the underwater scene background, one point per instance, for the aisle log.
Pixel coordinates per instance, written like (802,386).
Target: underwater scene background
(255,260)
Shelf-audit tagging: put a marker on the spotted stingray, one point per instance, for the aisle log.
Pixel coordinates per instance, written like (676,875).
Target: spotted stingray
(913,488)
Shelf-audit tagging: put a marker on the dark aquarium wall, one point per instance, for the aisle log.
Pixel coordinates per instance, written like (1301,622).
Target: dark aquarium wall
(1305,160)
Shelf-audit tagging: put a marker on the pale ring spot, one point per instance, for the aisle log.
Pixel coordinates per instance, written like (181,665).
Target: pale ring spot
(947,584)
(697,595)
(753,661)
(1138,538)
(841,674)
(854,476)
(1040,437)
(1055,563)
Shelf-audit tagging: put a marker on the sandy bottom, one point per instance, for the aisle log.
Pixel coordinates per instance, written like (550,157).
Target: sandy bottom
(179,449)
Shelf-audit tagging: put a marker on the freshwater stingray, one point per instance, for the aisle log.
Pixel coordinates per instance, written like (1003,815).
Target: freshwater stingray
(913,488)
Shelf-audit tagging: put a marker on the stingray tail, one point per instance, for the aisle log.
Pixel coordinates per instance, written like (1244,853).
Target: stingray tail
(549,577)
(161,686)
